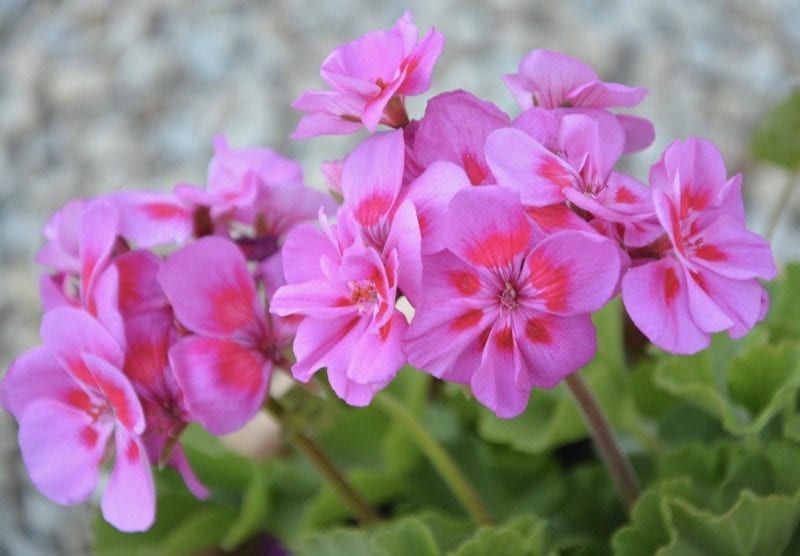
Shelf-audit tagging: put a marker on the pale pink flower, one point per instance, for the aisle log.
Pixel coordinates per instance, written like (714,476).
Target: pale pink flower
(502,312)
(700,277)
(70,397)
(369,79)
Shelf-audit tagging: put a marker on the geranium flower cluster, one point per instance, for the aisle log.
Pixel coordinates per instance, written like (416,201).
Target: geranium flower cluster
(468,243)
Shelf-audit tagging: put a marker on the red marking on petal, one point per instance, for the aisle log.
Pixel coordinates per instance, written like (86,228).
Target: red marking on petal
(79,400)
(694,201)
(146,362)
(423,222)
(467,320)
(88,437)
(118,401)
(624,195)
(550,217)
(504,339)
(236,365)
(551,283)
(483,339)
(710,253)
(465,281)
(553,172)
(671,285)
(538,330)
(372,208)
(476,172)
(698,278)
(163,211)
(132,452)
(499,248)
(231,308)
(385,330)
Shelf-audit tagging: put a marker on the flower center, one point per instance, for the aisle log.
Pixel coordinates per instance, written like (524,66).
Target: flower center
(508,297)
(363,292)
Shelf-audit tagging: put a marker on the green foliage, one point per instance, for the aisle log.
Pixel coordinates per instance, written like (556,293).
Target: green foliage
(777,138)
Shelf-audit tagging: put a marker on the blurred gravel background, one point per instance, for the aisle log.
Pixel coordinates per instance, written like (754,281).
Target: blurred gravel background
(99,95)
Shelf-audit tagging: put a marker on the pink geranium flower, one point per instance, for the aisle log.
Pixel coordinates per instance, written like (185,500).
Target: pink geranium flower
(511,309)
(345,290)
(70,397)
(549,80)
(224,367)
(700,276)
(369,78)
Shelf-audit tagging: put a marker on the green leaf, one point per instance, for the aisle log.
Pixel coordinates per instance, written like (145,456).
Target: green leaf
(339,542)
(783,319)
(777,138)
(408,536)
(400,452)
(525,535)
(647,530)
(754,526)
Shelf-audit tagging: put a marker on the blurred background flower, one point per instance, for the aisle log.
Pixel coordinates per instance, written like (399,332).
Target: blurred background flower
(98,95)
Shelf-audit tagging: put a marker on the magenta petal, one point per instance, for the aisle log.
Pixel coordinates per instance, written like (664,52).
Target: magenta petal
(150,218)
(431,193)
(326,343)
(553,75)
(35,375)
(181,463)
(99,228)
(692,172)
(420,64)
(573,272)
(488,226)
(352,392)
(318,298)
(404,236)
(139,290)
(494,384)
(606,95)
(62,448)
(319,123)
(518,161)
(372,176)
(598,137)
(639,132)
(129,501)
(707,314)
(223,381)
(731,250)
(210,287)
(379,353)
(306,247)
(70,332)
(552,347)
(743,301)
(656,298)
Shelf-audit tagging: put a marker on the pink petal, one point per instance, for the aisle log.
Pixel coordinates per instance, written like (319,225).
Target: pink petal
(150,218)
(306,247)
(181,463)
(379,354)
(487,226)
(551,347)
(99,228)
(599,137)
(518,161)
(224,382)
(731,250)
(573,273)
(639,132)
(129,501)
(36,375)
(431,193)
(317,298)
(62,448)
(210,288)
(404,236)
(541,124)
(69,333)
(112,384)
(553,76)
(655,296)
(494,383)
(419,64)
(555,218)
(139,290)
(352,392)
(741,301)
(372,176)
(515,85)
(606,95)
(328,343)
(454,129)
(150,336)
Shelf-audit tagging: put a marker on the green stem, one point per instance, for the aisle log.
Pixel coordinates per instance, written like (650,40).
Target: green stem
(438,457)
(782,204)
(615,461)
(358,506)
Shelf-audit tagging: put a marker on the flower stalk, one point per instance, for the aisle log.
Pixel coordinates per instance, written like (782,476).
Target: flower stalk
(618,466)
